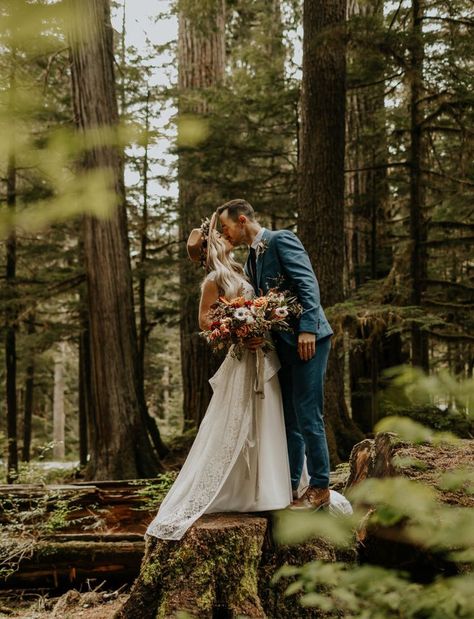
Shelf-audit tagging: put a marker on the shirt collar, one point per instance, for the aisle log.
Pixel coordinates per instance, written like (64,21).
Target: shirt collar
(258,238)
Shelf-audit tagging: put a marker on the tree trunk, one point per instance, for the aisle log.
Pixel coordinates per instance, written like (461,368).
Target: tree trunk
(10,329)
(29,393)
(321,187)
(85,390)
(201,66)
(120,446)
(143,248)
(59,418)
(419,339)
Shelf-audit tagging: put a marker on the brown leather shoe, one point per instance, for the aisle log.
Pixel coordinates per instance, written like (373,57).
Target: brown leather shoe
(313,499)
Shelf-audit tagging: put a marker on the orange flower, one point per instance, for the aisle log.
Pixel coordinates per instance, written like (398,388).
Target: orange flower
(260,302)
(238,302)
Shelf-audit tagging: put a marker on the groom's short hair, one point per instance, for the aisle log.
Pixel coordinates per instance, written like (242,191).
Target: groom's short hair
(237,207)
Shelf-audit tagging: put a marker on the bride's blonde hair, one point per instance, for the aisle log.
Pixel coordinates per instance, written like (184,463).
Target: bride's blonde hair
(228,272)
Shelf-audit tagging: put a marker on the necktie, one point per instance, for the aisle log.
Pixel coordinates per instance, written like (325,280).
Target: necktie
(253,264)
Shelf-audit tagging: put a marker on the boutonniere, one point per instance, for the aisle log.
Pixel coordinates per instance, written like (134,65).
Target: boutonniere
(261,248)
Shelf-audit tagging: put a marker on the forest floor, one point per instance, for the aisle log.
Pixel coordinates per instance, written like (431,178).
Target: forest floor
(71,605)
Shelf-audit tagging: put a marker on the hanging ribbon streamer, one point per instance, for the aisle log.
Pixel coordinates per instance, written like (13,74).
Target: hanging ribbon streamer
(260,380)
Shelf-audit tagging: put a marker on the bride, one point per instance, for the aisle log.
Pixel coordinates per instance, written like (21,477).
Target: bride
(239,460)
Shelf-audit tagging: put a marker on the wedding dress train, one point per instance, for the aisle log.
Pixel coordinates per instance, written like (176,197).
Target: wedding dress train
(238,461)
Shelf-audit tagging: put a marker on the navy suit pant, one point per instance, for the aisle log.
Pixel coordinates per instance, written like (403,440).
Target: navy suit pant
(302,386)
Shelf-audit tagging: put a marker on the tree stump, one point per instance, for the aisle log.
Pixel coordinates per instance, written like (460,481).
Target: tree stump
(214,567)
(222,567)
(390,546)
(372,458)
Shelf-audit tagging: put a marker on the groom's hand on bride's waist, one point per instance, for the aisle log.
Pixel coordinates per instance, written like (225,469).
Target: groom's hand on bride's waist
(306,346)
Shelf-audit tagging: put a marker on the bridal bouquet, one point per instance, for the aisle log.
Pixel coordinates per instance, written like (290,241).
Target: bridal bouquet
(236,320)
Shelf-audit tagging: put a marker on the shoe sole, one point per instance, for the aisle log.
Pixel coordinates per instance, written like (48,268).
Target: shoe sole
(308,509)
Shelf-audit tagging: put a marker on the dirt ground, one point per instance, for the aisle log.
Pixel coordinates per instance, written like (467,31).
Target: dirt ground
(71,605)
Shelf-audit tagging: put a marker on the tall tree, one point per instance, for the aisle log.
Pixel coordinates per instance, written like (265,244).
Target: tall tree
(419,339)
(11,316)
(59,416)
(201,67)
(29,393)
(120,446)
(11,327)
(321,186)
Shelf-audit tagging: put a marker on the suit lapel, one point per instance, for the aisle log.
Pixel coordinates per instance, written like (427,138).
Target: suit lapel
(260,258)
(246,266)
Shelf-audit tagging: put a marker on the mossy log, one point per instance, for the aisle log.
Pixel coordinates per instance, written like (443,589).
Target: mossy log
(62,561)
(112,505)
(222,567)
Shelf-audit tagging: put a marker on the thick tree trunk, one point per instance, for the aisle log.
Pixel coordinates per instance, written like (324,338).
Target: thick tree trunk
(201,60)
(120,446)
(321,187)
(419,339)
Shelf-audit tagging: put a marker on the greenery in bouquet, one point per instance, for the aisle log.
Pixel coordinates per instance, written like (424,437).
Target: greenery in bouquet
(237,320)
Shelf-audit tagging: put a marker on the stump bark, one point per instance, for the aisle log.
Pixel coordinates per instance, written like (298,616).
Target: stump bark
(391,546)
(222,567)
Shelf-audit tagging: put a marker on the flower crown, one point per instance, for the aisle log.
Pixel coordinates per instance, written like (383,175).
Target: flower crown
(205,226)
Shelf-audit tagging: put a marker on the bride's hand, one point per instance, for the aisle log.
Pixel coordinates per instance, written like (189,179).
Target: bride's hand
(253,343)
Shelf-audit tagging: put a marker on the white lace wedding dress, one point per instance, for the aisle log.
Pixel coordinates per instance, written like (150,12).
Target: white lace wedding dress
(239,459)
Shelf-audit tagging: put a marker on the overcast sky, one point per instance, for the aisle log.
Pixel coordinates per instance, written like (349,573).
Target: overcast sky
(142,26)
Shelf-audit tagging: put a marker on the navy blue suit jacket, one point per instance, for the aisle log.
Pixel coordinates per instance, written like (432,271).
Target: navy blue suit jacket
(284,261)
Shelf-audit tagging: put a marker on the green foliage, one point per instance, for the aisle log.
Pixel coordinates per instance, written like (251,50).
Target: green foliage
(418,516)
(437,401)
(154,491)
(371,592)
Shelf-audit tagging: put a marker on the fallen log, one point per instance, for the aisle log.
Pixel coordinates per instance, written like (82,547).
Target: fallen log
(60,562)
(107,505)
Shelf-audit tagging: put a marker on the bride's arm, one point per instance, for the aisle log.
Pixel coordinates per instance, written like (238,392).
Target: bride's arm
(209,295)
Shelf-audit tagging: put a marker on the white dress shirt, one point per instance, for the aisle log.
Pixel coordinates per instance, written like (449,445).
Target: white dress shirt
(258,238)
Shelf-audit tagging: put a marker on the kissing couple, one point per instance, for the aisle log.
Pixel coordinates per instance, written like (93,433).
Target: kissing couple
(254,454)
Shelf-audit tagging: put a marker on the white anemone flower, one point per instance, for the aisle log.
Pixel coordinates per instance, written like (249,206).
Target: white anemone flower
(281,312)
(241,313)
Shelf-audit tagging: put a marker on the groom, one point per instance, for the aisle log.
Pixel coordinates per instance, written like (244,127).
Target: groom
(277,258)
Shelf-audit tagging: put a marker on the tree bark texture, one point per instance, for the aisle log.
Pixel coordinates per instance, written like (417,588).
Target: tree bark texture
(59,414)
(11,328)
(120,446)
(201,66)
(420,356)
(321,187)
(221,568)
(29,393)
